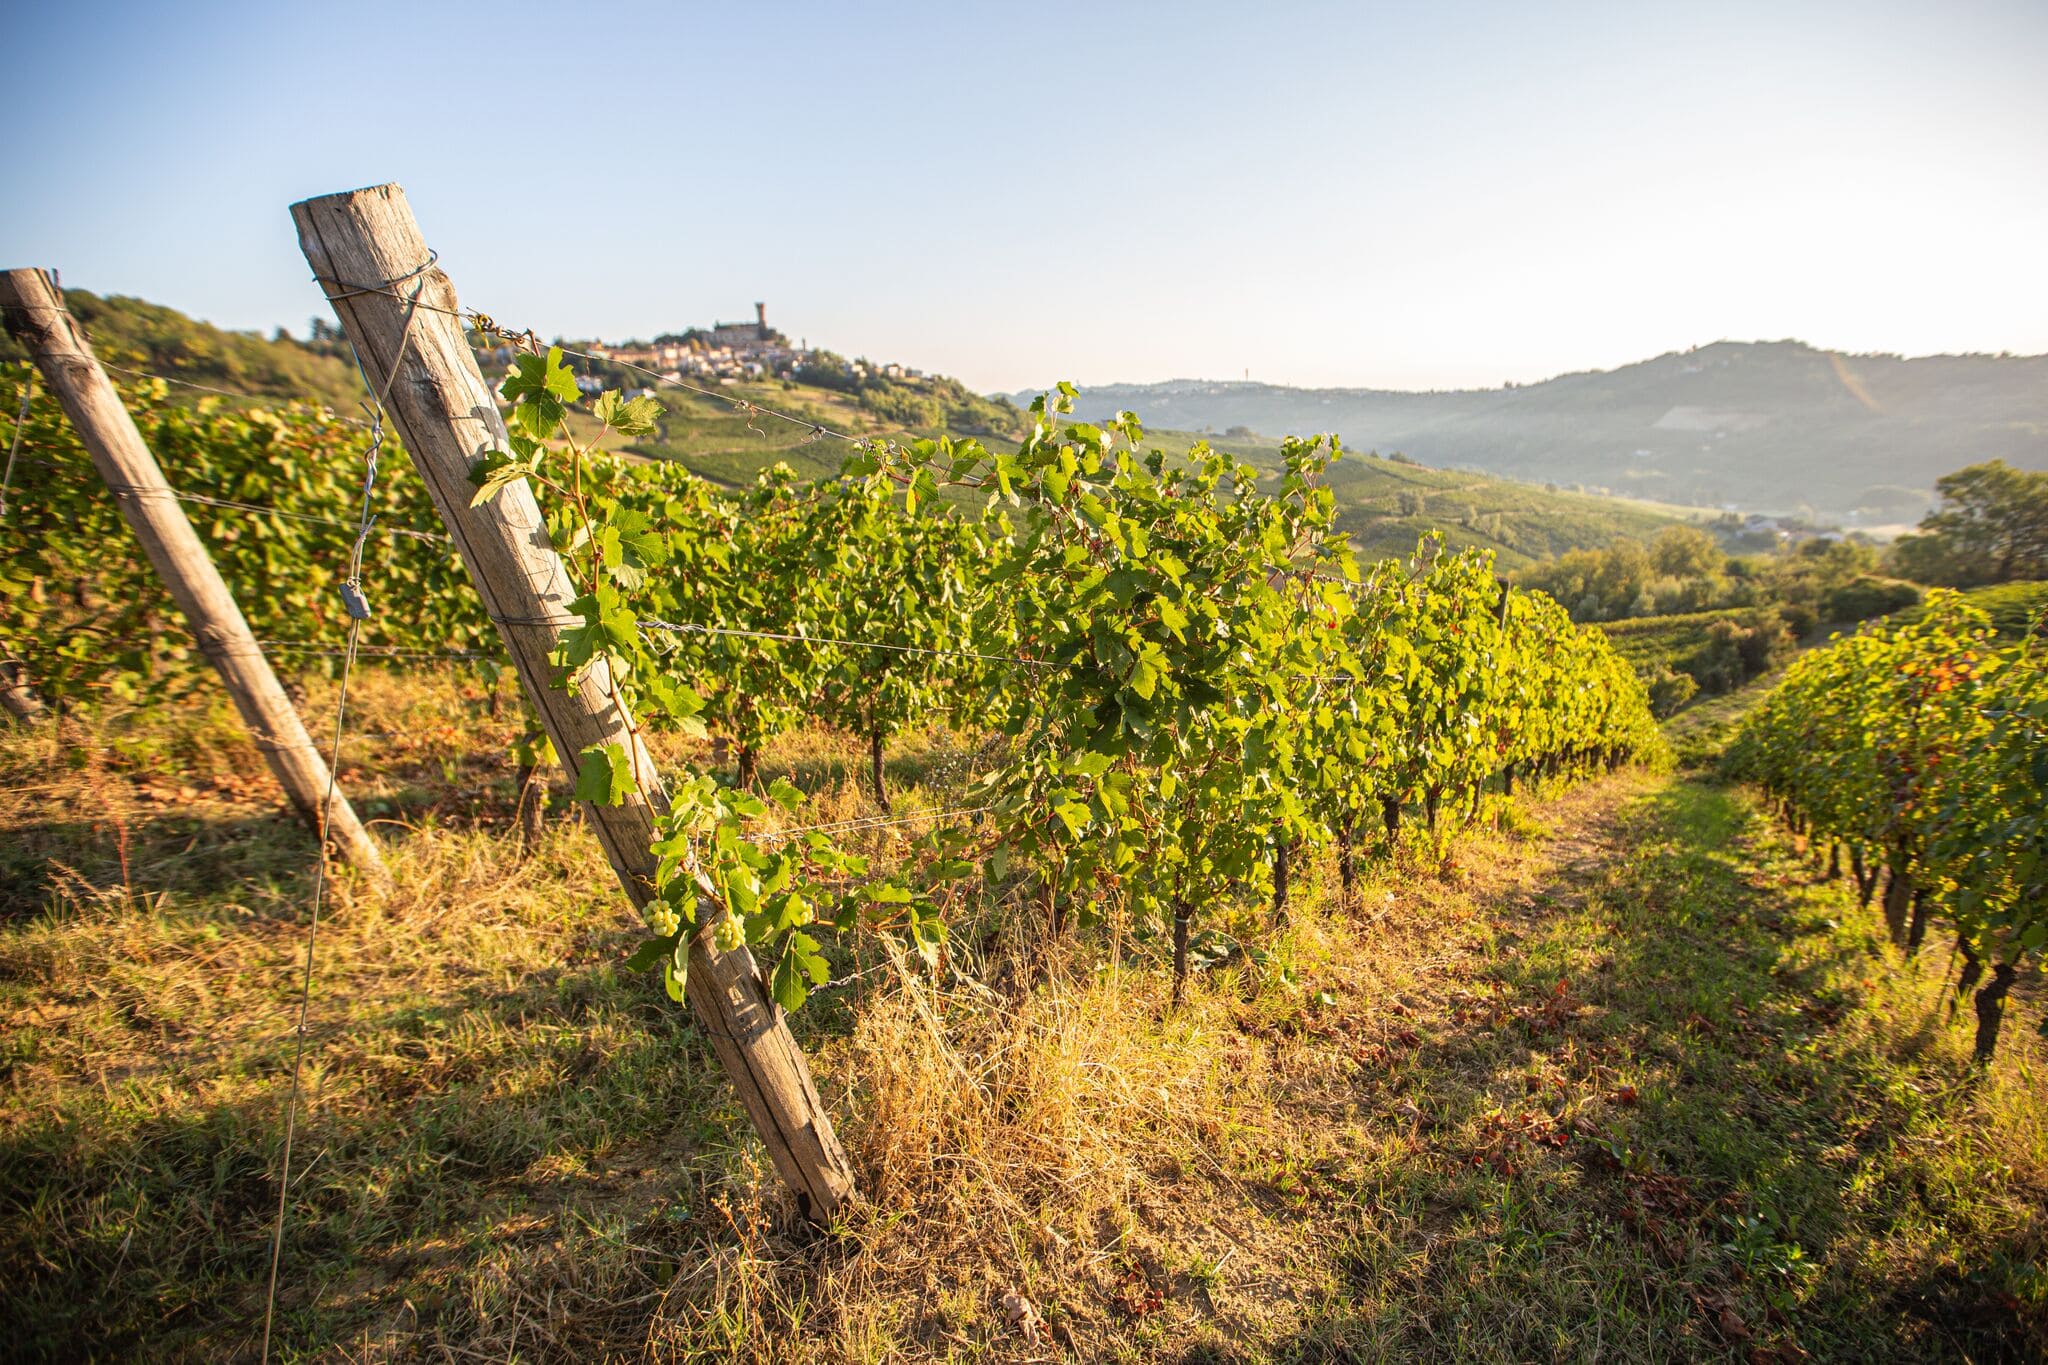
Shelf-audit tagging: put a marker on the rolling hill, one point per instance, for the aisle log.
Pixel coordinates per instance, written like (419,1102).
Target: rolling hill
(1760,426)
(1384,503)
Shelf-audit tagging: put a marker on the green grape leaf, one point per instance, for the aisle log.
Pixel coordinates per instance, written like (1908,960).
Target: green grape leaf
(627,416)
(800,969)
(649,953)
(494,472)
(604,777)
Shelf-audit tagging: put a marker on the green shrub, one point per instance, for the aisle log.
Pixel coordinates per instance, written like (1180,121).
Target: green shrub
(1866,596)
(1800,618)
(1669,691)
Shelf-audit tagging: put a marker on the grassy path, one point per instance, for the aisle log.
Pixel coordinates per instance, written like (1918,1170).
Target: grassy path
(1672,1102)
(1624,1083)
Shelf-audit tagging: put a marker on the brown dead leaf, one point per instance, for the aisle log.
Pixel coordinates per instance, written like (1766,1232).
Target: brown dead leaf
(1023,1316)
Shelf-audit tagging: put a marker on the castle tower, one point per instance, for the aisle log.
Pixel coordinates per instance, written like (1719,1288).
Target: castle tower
(761,320)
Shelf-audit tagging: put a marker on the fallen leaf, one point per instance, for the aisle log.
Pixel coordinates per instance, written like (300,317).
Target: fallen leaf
(1023,1316)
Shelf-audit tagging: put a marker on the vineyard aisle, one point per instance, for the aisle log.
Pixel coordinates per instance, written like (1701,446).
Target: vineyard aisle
(1626,1083)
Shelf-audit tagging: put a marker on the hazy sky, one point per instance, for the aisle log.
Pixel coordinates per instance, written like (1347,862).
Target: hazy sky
(1361,194)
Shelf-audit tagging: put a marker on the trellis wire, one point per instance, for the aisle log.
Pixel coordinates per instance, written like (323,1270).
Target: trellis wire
(255,398)
(380,651)
(353,649)
(357,614)
(258,509)
(183,495)
(28,390)
(873,822)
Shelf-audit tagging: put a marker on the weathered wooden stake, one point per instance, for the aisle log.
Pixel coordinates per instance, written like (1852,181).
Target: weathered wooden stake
(359,243)
(35,316)
(17,696)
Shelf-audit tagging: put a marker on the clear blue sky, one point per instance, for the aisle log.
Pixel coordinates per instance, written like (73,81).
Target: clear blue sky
(1394,195)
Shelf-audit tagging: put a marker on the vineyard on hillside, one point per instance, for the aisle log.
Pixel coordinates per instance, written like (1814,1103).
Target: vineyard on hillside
(1181,667)
(1135,874)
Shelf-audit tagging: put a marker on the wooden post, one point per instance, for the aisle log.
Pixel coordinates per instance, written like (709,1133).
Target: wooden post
(36,317)
(17,697)
(444,410)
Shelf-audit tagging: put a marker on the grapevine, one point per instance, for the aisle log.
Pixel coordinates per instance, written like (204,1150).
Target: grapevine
(1186,677)
(1920,746)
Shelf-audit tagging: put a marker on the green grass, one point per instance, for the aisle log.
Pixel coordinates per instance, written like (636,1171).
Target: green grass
(1624,1083)
(1701,731)
(716,439)
(1521,523)
(1773,1142)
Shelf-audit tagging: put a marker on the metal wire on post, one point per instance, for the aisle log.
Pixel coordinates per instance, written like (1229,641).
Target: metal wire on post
(872,822)
(321,647)
(258,509)
(28,391)
(235,394)
(358,612)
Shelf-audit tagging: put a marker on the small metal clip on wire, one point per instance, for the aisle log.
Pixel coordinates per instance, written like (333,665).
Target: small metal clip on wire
(491,329)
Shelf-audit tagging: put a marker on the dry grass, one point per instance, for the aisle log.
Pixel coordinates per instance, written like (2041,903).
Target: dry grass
(1733,1129)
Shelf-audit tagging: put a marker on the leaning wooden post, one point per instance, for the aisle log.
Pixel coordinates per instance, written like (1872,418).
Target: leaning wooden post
(17,696)
(36,317)
(366,251)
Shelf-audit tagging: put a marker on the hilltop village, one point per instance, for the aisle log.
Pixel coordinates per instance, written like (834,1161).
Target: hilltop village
(735,351)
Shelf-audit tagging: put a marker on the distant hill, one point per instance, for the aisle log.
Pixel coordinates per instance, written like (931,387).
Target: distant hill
(1387,504)
(1762,426)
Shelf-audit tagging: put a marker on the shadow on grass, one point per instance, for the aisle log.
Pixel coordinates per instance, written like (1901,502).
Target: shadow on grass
(47,861)
(220,849)
(435,1134)
(1671,1084)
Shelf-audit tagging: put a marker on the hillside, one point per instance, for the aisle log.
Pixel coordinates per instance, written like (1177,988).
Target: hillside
(2013,607)
(139,335)
(1386,504)
(1764,426)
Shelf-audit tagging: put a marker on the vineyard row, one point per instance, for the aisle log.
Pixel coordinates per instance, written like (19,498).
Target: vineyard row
(1919,749)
